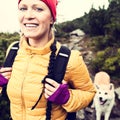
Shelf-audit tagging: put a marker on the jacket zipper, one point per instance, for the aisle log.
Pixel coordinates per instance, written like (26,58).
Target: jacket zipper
(22,94)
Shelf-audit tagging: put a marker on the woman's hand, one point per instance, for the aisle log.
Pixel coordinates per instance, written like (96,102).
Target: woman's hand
(6,72)
(55,92)
(50,87)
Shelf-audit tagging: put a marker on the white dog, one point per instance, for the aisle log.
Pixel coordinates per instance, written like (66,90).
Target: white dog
(105,97)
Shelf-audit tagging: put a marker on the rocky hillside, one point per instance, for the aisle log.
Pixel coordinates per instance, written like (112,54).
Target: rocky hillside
(81,42)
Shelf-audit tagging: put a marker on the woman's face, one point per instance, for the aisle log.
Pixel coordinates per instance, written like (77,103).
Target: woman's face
(35,19)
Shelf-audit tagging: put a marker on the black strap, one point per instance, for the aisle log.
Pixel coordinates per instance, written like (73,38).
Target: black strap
(11,55)
(8,63)
(61,63)
(60,69)
(71,116)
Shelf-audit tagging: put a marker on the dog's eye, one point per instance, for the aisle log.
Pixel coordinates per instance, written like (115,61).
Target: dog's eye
(99,92)
(106,93)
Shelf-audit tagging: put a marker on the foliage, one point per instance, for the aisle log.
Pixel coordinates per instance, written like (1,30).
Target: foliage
(63,29)
(103,25)
(106,46)
(107,60)
(5,40)
(97,20)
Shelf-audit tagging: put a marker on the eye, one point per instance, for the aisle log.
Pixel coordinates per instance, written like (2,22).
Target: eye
(99,92)
(106,93)
(38,9)
(22,8)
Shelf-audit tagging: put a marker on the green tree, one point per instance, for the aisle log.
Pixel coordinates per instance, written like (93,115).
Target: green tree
(97,21)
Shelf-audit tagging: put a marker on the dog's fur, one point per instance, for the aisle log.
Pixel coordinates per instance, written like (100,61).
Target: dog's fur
(105,96)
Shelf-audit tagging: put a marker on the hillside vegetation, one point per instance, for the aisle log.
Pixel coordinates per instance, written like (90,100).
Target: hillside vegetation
(103,26)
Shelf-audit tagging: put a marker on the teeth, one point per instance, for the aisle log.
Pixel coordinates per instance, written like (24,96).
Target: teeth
(30,25)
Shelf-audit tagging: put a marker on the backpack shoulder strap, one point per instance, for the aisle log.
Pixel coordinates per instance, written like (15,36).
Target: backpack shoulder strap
(61,63)
(10,56)
(59,71)
(11,53)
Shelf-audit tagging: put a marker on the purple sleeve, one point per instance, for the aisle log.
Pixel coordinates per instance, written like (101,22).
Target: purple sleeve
(3,80)
(61,95)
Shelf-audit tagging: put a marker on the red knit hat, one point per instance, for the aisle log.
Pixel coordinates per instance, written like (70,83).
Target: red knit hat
(52,6)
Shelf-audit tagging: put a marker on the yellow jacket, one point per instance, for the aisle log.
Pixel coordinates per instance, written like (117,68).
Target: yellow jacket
(25,85)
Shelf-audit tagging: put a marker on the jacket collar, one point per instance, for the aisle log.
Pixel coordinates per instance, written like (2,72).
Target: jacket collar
(31,50)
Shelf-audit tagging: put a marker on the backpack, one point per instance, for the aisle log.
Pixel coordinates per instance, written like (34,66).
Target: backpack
(59,69)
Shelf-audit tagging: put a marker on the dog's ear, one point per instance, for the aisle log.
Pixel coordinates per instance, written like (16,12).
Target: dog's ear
(97,86)
(111,86)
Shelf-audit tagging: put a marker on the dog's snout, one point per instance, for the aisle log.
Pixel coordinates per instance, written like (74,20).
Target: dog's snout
(100,98)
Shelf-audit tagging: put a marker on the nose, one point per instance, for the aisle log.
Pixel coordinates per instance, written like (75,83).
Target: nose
(100,98)
(29,14)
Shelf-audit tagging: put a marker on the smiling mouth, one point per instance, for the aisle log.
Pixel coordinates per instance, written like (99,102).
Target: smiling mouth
(102,102)
(31,25)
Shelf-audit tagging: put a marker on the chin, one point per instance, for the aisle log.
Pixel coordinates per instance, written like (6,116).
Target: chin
(30,34)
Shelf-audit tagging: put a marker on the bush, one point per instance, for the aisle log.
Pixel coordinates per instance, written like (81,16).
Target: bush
(107,60)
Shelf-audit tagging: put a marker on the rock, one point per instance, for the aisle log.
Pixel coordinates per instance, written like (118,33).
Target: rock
(77,33)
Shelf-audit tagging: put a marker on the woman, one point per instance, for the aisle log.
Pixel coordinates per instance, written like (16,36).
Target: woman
(33,63)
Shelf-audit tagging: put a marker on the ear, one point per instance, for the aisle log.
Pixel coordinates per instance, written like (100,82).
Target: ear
(51,21)
(97,86)
(111,86)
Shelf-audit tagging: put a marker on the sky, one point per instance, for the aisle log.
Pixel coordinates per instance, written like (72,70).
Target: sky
(66,10)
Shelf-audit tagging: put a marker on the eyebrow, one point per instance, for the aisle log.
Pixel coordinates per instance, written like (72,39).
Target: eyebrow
(33,5)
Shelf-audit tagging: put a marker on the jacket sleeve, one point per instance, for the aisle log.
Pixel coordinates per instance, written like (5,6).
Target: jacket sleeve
(77,76)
